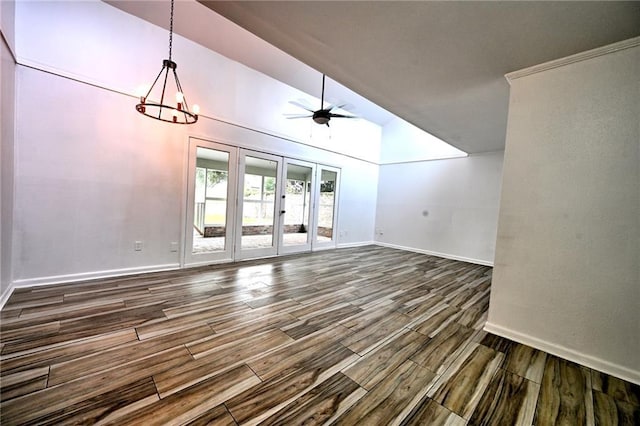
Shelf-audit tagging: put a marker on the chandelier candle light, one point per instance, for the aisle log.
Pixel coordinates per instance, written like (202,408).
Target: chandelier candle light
(179,113)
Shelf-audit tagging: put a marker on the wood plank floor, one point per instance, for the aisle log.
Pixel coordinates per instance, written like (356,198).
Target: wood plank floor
(368,335)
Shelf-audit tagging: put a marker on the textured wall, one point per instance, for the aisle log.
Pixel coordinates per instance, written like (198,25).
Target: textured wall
(567,269)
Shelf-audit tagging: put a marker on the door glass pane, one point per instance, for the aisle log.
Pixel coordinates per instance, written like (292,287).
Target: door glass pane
(326,206)
(258,203)
(297,205)
(210,210)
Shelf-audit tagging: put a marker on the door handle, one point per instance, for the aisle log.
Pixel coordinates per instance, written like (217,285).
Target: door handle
(282,212)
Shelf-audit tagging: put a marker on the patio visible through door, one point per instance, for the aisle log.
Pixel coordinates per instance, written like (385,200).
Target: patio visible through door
(244,204)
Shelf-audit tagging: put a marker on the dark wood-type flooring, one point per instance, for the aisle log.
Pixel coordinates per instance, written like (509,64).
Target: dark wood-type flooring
(368,335)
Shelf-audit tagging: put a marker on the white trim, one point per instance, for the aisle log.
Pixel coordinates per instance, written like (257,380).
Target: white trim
(321,248)
(305,247)
(317,183)
(184,209)
(578,57)
(458,157)
(435,253)
(187,256)
(59,279)
(6,295)
(207,263)
(358,244)
(566,353)
(424,160)
(85,276)
(11,49)
(241,253)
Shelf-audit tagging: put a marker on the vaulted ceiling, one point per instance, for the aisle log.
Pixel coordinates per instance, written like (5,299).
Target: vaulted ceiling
(438,64)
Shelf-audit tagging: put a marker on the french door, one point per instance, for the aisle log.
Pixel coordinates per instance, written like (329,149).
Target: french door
(212,177)
(244,204)
(297,206)
(258,216)
(326,202)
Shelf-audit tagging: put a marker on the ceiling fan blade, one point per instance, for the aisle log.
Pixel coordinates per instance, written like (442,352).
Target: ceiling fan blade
(342,116)
(299,105)
(298,116)
(344,107)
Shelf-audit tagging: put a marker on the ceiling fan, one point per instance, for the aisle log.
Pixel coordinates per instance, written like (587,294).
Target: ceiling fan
(323,115)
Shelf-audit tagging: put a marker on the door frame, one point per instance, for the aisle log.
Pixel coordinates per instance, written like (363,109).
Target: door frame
(195,259)
(233,240)
(243,254)
(300,248)
(333,243)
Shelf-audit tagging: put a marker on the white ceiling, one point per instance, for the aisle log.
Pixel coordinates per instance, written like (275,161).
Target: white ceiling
(438,65)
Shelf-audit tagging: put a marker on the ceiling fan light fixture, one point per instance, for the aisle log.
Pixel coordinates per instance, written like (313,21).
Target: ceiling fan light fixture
(178,113)
(323,115)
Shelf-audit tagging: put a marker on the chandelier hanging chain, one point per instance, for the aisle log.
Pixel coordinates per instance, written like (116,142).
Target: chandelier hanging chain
(179,113)
(171,31)
(164,86)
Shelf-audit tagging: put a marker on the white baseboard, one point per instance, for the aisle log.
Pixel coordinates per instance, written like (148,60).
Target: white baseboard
(5,296)
(320,248)
(358,244)
(435,253)
(84,276)
(58,279)
(207,263)
(566,353)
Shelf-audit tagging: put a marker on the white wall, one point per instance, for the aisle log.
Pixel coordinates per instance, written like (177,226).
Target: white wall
(404,142)
(95,42)
(7,128)
(92,175)
(567,269)
(357,208)
(8,21)
(443,207)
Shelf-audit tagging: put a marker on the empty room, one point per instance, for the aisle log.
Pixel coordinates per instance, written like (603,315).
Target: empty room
(320,212)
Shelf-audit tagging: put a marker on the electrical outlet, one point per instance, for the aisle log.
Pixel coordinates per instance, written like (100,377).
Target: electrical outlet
(173,247)
(137,246)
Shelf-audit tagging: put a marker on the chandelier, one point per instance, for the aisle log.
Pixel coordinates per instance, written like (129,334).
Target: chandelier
(178,113)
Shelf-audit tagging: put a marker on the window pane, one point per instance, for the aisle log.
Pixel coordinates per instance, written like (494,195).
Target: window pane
(210,210)
(326,205)
(297,204)
(258,202)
